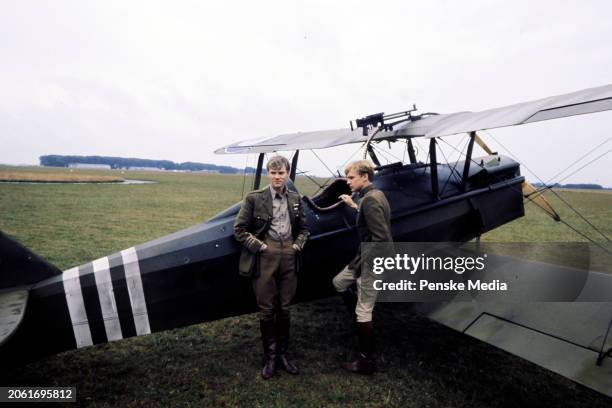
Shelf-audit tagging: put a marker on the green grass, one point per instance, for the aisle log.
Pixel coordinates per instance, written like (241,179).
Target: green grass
(70,224)
(217,363)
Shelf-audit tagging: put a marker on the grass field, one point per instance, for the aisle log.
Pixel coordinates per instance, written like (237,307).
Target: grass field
(217,363)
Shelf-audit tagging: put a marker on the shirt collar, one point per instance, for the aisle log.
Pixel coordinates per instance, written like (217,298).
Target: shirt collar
(273,191)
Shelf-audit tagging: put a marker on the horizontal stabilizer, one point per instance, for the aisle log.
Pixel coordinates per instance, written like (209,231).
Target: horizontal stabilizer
(554,354)
(12,309)
(566,338)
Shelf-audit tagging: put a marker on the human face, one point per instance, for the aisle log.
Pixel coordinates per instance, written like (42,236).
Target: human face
(278,178)
(356,181)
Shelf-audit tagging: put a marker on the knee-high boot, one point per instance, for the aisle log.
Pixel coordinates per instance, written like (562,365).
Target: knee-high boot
(268,339)
(364,364)
(349,297)
(283,326)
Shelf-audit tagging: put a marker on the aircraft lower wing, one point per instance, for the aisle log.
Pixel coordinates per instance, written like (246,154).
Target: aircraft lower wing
(566,338)
(12,309)
(569,338)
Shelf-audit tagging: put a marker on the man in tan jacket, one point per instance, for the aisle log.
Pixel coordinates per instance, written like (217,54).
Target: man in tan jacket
(373,225)
(271,227)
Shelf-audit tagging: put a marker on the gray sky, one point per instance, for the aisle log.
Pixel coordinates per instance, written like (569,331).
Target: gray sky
(176,80)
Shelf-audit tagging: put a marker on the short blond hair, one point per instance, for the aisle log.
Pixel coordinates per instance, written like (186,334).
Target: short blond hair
(277,162)
(361,167)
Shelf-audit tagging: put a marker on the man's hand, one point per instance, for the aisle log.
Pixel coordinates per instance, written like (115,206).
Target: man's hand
(263,247)
(297,247)
(348,200)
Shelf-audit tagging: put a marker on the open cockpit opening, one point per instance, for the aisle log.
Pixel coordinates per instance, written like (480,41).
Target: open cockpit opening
(327,199)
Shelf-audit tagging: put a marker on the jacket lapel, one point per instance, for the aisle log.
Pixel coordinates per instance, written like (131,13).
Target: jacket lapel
(291,204)
(267,201)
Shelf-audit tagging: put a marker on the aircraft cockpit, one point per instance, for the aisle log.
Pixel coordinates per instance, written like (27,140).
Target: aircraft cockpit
(327,199)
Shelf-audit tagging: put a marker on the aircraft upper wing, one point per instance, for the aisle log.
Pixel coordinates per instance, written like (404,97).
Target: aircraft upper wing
(294,141)
(576,103)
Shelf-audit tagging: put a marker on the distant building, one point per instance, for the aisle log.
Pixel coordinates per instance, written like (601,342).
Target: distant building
(89,166)
(144,168)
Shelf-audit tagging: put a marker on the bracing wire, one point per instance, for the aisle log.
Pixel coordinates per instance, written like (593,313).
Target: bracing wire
(317,156)
(385,153)
(453,170)
(578,160)
(246,164)
(577,170)
(553,191)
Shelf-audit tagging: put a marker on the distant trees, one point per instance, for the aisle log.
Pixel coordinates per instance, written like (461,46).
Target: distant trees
(122,162)
(585,186)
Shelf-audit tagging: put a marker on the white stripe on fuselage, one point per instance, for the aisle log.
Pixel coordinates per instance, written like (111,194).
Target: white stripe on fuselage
(76,307)
(104,284)
(135,290)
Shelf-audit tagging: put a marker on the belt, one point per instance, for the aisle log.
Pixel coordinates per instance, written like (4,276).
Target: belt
(280,241)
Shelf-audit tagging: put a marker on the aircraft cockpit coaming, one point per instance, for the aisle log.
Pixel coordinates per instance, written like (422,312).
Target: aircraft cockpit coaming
(327,199)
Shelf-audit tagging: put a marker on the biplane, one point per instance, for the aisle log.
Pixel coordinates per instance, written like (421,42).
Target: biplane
(190,276)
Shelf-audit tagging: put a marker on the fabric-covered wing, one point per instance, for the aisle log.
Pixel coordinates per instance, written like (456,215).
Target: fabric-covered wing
(575,103)
(295,141)
(564,337)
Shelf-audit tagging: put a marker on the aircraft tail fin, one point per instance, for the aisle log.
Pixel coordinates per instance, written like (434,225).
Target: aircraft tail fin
(19,266)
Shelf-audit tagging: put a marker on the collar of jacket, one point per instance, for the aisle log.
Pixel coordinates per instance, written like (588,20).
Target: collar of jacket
(366,190)
(293,201)
(266,196)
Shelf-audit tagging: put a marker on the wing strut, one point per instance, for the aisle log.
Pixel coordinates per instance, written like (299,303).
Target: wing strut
(483,145)
(411,153)
(294,162)
(257,180)
(434,168)
(468,159)
(373,155)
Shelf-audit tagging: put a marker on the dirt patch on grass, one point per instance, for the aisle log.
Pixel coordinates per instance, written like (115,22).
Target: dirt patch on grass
(37,177)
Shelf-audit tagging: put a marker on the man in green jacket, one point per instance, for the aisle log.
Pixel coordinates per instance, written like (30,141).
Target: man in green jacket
(373,225)
(271,227)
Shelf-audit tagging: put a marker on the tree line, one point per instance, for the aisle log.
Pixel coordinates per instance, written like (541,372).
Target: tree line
(124,163)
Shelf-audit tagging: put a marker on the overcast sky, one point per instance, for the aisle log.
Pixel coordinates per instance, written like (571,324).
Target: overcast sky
(178,79)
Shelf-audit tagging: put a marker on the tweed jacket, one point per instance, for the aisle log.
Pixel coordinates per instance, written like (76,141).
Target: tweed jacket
(373,221)
(253,222)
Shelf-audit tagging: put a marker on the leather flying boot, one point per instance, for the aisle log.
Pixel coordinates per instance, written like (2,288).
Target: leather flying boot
(268,340)
(349,297)
(364,364)
(283,325)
